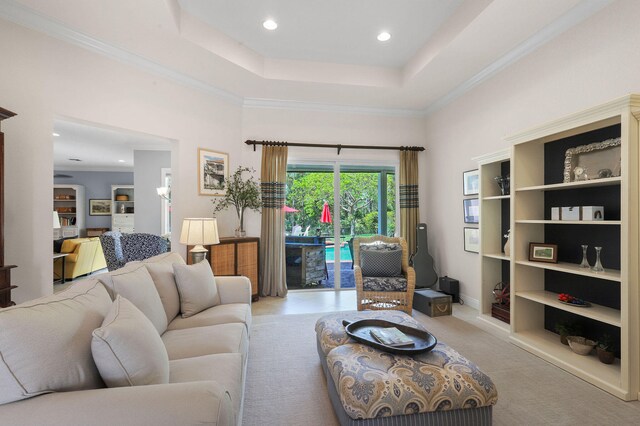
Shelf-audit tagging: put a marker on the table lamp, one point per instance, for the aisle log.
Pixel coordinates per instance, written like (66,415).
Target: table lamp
(56,220)
(198,232)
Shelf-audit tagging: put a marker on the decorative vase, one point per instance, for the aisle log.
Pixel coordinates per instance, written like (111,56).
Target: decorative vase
(563,339)
(240,232)
(605,356)
(585,262)
(507,245)
(597,267)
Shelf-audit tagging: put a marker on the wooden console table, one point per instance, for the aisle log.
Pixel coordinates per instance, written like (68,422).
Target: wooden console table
(236,256)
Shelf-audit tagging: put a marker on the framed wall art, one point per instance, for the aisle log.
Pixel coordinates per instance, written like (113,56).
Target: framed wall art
(541,252)
(472,240)
(470,182)
(471,210)
(213,172)
(99,207)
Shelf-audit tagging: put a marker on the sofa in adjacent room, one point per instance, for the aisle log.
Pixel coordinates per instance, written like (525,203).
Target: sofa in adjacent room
(157,342)
(85,256)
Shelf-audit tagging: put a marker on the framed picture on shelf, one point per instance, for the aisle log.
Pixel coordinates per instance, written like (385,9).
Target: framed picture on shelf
(541,252)
(213,172)
(99,207)
(470,182)
(471,210)
(472,240)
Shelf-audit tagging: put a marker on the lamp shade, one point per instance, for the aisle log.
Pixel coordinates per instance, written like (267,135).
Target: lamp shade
(56,220)
(199,231)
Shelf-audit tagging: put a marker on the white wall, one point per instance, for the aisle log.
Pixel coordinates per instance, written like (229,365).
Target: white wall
(147,172)
(41,79)
(593,63)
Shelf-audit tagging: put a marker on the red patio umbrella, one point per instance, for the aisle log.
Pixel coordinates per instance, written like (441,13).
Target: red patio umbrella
(326,214)
(288,209)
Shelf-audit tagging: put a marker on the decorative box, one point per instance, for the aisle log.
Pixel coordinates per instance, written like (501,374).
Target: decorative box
(556,213)
(592,213)
(432,303)
(570,213)
(502,312)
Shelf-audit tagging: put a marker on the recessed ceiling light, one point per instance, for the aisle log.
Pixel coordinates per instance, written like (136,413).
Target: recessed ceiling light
(74,159)
(270,24)
(56,134)
(384,36)
(121,161)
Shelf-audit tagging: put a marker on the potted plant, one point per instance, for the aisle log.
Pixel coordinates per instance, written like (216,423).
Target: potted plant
(567,328)
(605,350)
(240,193)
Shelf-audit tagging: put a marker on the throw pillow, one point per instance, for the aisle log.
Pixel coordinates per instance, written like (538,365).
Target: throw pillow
(376,262)
(127,349)
(46,343)
(197,287)
(135,284)
(163,278)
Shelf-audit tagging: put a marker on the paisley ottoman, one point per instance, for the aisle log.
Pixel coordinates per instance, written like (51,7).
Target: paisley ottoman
(371,387)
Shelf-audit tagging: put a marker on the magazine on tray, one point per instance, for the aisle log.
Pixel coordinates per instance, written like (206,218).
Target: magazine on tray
(391,336)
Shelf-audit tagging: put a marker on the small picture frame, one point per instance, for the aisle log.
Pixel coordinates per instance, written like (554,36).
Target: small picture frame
(471,182)
(472,240)
(213,172)
(99,207)
(471,210)
(541,252)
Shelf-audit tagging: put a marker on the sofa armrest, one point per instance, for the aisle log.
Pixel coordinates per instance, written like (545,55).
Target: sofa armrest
(192,403)
(234,289)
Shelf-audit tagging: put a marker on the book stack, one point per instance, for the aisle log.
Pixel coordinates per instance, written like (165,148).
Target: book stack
(391,336)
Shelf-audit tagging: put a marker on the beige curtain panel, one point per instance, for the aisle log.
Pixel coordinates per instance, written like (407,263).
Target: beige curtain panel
(409,206)
(272,254)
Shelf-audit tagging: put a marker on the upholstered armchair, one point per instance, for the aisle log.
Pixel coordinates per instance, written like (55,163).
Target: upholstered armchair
(112,248)
(384,279)
(140,246)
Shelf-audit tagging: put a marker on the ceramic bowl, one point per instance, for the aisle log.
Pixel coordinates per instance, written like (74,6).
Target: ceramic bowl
(581,345)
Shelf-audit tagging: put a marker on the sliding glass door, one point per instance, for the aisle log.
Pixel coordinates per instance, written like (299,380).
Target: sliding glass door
(327,206)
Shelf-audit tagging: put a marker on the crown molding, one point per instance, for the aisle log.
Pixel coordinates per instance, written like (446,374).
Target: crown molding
(22,15)
(573,17)
(321,107)
(502,155)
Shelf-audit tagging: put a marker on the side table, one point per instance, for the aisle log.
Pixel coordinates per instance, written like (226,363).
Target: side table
(62,256)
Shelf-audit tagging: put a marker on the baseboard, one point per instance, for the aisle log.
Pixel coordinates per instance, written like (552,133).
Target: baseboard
(469,301)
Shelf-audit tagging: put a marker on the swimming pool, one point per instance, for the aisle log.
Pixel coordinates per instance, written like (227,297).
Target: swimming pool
(345,254)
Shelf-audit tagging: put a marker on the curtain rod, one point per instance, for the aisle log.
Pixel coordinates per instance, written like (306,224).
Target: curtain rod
(339,147)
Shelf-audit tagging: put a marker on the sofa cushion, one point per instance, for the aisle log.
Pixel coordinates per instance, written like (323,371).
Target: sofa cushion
(135,284)
(69,246)
(46,343)
(163,278)
(197,287)
(226,369)
(221,314)
(127,349)
(377,260)
(213,339)
(169,257)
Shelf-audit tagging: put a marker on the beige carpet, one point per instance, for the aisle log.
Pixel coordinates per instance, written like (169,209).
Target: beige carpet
(285,384)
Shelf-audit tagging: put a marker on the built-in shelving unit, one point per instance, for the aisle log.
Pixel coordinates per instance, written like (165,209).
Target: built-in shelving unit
(69,202)
(122,208)
(494,224)
(537,172)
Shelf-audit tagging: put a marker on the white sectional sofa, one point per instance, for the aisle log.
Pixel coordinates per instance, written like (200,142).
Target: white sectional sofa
(50,373)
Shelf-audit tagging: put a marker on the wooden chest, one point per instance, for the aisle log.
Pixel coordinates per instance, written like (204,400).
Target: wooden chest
(432,303)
